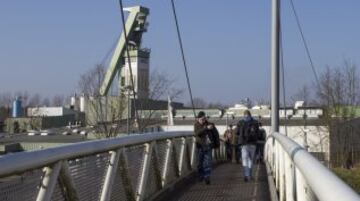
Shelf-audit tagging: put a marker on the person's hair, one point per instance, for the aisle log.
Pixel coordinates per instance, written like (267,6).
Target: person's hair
(230,125)
(247,112)
(201,114)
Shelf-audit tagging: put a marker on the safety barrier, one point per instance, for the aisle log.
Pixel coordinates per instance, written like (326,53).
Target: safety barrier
(136,167)
(298,176)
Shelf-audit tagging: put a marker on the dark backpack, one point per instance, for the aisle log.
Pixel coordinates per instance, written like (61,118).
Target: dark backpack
(214,137)
(251,132)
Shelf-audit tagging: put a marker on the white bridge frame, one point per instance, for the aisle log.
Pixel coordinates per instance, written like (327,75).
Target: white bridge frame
(299,176)
(55,164)
(295,174)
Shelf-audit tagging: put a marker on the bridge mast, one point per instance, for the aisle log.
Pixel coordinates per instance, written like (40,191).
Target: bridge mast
(275,26)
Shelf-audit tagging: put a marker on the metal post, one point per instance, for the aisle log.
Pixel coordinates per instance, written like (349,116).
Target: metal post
(181,156)
(110,175)
(289,179)
(282,189)
(275,22)
(166,162)
(140,194)
(128,112)
(301,189)
(48,182)
(192,154)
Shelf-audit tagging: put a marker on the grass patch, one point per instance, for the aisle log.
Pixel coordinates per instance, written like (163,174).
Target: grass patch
(351,177)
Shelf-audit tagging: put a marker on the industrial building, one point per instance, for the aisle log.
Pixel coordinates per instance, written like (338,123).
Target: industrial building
(39,118)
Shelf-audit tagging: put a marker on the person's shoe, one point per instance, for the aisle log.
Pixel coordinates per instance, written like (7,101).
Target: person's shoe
(207,181)
(246,179)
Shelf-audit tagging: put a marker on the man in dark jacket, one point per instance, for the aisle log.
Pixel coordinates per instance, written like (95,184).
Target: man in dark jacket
(248,131)
(205,134)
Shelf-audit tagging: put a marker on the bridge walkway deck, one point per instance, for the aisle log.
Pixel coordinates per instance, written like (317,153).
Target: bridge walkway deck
(227,184)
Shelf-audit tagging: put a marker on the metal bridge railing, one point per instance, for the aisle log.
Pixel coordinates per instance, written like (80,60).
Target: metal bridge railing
(136,167)
(298,176)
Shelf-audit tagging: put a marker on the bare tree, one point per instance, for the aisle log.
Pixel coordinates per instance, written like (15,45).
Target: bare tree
(217,105)
(104,112)
(35,100)
(45,102)
(90,82)
(6,99)
(161,85)
(58,100)
(263,102)
(198,103)
(339,93)
(303,94)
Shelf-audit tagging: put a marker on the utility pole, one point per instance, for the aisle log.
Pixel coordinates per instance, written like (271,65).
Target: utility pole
(275,36)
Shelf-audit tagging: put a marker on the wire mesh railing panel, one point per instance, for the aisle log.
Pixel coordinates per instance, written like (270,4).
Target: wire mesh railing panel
(135,155)
(58,194)
(21,187)
(161,147)
(186,161)
(118,189)
(88,174)
(177,142)
(189,143)
(83,172)
(172,171)
(152,184)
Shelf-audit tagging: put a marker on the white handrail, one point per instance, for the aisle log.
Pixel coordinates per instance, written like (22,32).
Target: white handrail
(287,159)
(141,178)
(19,162)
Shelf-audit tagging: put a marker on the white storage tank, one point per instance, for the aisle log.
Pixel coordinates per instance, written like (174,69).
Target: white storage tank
(82,103)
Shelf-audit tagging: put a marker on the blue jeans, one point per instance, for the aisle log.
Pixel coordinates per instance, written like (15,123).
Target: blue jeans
(248,156)
(205,161)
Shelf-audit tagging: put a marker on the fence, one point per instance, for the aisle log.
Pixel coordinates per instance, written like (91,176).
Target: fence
(298,176)
(136,167)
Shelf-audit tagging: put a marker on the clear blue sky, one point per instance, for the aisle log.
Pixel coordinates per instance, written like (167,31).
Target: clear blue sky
(45,45)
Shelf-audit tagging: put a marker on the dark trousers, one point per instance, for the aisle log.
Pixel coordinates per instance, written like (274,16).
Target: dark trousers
(205,161)
(238,153)
(259,152)
(228,148)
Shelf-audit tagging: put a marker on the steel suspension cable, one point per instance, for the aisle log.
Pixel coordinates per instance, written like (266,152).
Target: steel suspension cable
(129,62)
(304,42)
(183,57)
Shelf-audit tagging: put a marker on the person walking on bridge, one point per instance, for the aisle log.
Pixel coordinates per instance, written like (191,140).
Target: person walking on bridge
(228,137)
(248,131)
(207,138)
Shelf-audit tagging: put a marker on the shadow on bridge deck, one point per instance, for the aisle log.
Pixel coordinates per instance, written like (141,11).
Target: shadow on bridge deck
(227,184)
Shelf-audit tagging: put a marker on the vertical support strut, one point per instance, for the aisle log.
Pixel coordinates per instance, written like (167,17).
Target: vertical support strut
(110,175)
(48,182)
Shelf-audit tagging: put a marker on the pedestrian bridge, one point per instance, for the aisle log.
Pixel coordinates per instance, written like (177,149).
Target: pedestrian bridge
(162,166)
